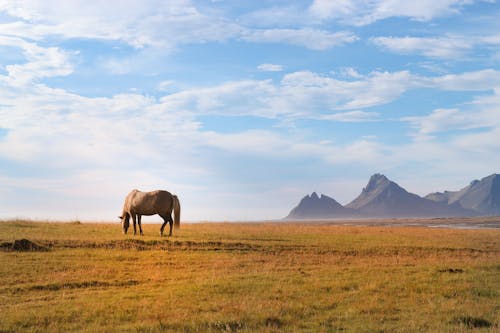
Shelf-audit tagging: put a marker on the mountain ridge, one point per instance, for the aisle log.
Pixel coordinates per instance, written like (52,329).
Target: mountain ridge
(482,195)
(313,206)
(383,198)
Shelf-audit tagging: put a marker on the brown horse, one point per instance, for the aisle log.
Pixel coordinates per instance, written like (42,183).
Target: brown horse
(139,203)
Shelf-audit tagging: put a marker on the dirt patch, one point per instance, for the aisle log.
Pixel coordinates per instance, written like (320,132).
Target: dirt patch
(229,326)
(274,322)
(23,245)
(142,245)
(243,247)
(472,322)
(78,285)
(451,270)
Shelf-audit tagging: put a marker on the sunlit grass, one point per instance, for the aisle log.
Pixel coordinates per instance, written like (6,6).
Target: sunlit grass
(248,278)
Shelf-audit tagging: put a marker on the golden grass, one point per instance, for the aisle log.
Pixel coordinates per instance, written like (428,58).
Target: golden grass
(267,277)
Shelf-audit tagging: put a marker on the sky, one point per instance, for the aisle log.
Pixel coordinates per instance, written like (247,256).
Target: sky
(241,108)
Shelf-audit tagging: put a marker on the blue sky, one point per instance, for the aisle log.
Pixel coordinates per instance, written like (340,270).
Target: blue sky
(241,107)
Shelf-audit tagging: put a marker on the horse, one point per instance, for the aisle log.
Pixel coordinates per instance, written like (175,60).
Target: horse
(159,202)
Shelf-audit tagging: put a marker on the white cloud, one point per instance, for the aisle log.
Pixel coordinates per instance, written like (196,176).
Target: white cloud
(485,143)
(269,144)
(41,62)
(443,120)
(254,142)
(465,138)
(350,73)
(486,79)
(306,94)
(352,116)
(66,129)
(440,47)
(311,38)
(150,23)
(362,151)
(360,12)
(482,114)
(324,9)
(443,47)
(145,23)
(491,39)
(302,90)
(230,98)
(270,68)
(474,157)
(165,85)
(299,94)
(283,16)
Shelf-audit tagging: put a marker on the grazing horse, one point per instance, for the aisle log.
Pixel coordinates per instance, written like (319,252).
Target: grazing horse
(139,203)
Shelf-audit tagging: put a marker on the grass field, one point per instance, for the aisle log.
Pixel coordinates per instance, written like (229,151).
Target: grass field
(267,277)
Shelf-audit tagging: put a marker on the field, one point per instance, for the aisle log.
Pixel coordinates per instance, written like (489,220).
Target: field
(248,277)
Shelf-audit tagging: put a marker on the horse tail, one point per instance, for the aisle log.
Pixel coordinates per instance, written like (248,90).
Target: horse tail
(177,212)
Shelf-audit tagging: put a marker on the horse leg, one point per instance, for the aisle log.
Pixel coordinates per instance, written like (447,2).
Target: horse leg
(139,223)
(171,223)
(134,221)
(165,221)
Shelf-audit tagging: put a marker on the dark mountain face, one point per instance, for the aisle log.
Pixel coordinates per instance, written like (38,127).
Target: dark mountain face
(312,206)
(482,196)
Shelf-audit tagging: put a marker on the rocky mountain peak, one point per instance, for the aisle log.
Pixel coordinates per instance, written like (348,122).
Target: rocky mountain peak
(313,206)
(377,180)
(474,182)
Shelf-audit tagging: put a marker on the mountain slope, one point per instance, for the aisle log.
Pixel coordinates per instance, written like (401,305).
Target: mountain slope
(384,198)
(483,196)
(324,207)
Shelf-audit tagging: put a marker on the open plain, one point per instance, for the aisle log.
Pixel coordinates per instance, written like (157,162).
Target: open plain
(366,276)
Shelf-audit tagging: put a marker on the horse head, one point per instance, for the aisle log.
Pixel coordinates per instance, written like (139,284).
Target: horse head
(125,221)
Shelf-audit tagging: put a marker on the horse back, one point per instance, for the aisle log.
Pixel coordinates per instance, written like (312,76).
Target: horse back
(149,203)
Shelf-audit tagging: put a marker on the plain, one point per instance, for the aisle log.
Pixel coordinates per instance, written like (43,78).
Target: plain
(248,277)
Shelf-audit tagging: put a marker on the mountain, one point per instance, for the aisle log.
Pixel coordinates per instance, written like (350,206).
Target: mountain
(324,207)
(482,196)
(384,198)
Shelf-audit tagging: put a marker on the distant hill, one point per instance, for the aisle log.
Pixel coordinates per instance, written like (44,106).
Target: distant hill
(385,199)
(482,196)
(315,207)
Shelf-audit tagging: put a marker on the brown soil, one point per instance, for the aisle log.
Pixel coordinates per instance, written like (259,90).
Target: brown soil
(22,245)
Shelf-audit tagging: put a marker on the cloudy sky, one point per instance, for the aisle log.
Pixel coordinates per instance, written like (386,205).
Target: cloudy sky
(241,107)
